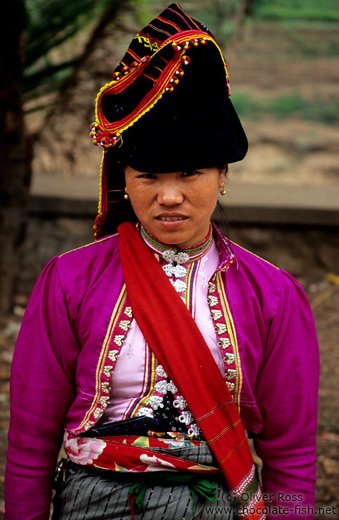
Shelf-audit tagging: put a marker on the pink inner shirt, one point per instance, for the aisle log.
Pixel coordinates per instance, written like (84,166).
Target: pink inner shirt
(131,379)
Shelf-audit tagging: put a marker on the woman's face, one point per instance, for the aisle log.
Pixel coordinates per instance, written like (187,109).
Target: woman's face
(175,207)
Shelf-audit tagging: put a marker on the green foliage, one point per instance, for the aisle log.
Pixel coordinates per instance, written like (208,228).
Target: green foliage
(52,23)
(300,4)
(286,106)
(312,47)
(301,10)
(217,15)
(49,25)
(144,11)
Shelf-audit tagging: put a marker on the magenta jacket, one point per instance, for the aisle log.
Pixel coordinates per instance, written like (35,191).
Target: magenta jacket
(59,374)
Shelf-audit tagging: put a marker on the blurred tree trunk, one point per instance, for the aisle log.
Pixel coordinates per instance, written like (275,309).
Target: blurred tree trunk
(14,165)
(246,9)
(63,136)
(15,144)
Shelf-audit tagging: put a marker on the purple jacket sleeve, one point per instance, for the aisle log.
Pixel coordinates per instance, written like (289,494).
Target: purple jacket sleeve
(287,392)
(42,390)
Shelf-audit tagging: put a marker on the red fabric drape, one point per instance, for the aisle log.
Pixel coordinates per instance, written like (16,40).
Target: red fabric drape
(175,339)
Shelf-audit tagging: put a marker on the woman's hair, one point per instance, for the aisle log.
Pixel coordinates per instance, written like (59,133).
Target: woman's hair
(220,214)
(119,210)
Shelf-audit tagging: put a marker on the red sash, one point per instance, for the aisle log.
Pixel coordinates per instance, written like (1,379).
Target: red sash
(170,331)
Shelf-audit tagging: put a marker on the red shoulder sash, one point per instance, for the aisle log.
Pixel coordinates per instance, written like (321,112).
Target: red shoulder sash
(170,331)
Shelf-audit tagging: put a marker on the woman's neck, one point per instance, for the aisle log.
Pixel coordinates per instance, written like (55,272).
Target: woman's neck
(194,252)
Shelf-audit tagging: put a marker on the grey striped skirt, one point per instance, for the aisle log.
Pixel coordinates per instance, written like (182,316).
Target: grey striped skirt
(103,495)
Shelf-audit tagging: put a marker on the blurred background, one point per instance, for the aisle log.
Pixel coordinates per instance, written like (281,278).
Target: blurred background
(282,201)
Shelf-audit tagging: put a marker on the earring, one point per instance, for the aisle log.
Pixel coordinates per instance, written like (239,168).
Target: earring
(126,197)
(222,190)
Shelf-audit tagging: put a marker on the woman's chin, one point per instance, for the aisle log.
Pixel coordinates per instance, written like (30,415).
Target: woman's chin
(170,236)
(176,237)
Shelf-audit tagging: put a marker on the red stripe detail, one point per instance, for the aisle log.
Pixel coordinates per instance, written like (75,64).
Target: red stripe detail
(183,18)
(158,29)
(150,77)
(134,55)
(152,95)
(176,27)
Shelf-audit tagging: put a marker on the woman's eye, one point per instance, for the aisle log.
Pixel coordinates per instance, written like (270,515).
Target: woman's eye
(147,176)
(190,173)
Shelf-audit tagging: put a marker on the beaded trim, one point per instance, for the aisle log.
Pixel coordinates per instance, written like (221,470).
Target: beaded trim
(138,406)
(175,258)
(178,256)
(120,322)
(119,325)
(182,264)
(106,134)
(227,337)
(217,301)
(155,402)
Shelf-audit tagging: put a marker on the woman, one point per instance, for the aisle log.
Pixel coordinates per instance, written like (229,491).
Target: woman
(157,351)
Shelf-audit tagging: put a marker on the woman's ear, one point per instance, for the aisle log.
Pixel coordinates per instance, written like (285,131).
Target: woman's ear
(124,168)
(222,175)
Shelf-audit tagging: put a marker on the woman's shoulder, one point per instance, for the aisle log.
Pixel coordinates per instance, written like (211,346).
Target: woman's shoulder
(251,259)
(263,275)
(98,250)
(85,272)
(80,267)
(241,259)
(249,269)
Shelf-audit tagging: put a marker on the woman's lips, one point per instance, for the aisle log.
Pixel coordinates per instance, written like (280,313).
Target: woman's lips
(171,219)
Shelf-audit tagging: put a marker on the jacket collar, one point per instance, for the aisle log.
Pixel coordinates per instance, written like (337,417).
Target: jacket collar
(226,255)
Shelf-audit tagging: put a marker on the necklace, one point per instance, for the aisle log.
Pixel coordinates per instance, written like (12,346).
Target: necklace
(177,262)
(176,256)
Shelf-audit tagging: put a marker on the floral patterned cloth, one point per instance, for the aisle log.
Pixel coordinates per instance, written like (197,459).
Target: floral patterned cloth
(99,494)
(132,453)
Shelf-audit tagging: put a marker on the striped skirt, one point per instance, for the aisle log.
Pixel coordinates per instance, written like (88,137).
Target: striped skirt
(89,494)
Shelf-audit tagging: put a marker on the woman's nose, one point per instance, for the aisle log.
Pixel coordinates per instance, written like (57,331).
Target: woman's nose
(170,194)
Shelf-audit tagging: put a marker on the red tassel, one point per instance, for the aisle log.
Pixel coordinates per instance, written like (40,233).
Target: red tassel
(131,499)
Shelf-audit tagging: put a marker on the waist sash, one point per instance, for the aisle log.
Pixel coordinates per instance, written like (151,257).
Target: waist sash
(170,331)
